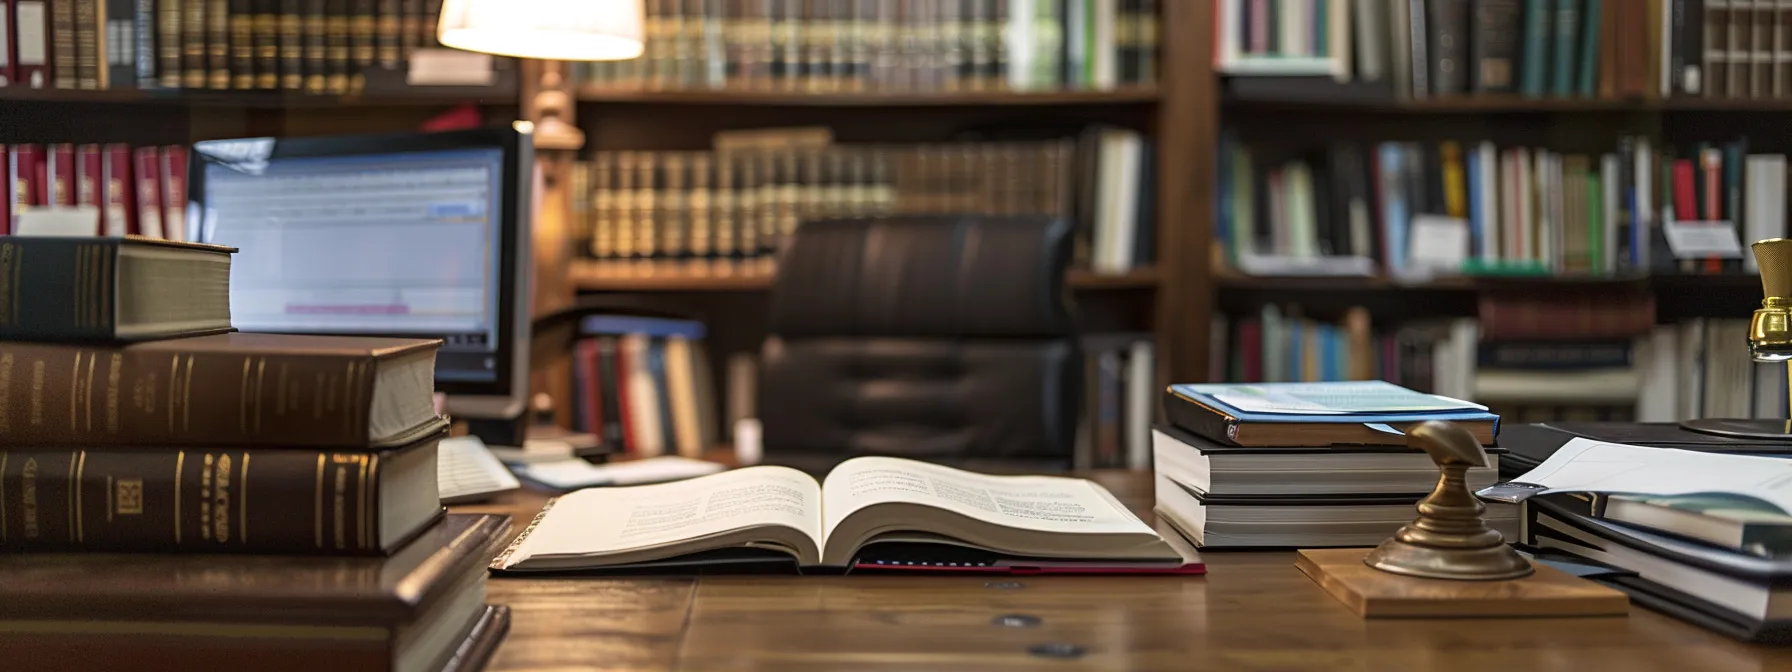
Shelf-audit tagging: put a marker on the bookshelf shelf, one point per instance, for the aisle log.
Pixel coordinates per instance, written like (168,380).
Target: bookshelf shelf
(1129,96)
(597,277)
(1515,105)
(1723,283)
(240,99)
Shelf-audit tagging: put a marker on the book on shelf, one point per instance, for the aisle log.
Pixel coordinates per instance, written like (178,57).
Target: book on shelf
(639,208)
(881,46)
(1527,210)
(1316,414)
(136,191)
(252,390)
(415,610)
(870,513)
(111,289)
(644,386)
(317,46)
(277,500)
(1417,49)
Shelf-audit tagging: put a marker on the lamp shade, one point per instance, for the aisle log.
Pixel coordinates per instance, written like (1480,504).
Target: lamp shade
(562,30)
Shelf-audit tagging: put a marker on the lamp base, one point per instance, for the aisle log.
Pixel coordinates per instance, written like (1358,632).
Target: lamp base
(1741,428)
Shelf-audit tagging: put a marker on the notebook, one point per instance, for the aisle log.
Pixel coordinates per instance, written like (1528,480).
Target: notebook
(468,472)
(1316,414)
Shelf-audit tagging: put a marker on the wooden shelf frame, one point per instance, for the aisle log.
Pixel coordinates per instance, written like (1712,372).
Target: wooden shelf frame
(594,276)
(1507,104)
(242,99)
(1123,96)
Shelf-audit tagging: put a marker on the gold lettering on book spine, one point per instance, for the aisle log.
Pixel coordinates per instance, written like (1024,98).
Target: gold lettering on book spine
(37,392)
(242,507)
(361,506)
(28,496)
(205,498)
(93,359)
(5,393)
(114,370)
(180,463)
(318,514)
(221,501)
(372,517)
(341,499)
(74,395)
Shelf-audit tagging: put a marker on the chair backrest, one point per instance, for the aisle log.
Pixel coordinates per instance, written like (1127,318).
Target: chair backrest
(941,338)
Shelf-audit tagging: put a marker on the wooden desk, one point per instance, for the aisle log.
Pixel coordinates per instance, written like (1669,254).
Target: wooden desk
(1252,611)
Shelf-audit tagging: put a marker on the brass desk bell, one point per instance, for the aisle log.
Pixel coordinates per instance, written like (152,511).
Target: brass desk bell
(1769,340)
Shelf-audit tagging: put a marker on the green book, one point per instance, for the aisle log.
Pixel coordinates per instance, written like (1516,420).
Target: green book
(1596,219)
(1566,35)
(1589,49)
(1534,70)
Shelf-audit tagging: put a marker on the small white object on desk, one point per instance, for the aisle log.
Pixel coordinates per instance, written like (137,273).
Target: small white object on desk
(575,473)
(748,448)
(466,471)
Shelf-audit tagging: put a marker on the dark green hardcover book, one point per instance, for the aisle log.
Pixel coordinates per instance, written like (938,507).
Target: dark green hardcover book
(1589,49)
(1535,61)
(111,289)
(1567,34)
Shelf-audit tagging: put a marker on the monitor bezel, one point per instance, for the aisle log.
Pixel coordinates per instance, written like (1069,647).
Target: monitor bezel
(506,396)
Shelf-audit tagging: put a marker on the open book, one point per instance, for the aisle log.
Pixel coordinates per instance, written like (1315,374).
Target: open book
(871,512)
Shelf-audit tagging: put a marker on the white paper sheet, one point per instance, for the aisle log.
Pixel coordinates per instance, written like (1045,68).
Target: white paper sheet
(1585,465)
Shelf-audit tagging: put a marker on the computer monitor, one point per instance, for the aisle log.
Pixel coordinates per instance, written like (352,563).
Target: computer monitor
(420,235)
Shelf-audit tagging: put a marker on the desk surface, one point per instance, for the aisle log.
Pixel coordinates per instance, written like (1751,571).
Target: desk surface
(1252,611)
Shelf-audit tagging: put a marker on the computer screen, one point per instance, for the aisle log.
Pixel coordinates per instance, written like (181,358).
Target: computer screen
(396,235)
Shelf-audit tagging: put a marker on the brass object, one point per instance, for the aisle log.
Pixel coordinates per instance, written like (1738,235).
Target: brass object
(1769,340)
(1449,540)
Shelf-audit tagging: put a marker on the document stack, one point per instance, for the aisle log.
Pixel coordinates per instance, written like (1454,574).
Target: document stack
(1306,465)
(1706,537)
(174,495)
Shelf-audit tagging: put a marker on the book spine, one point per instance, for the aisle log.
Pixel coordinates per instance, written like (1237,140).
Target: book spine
(90,57)
(412,30)
(313,25)
(242,44)
(217,43)
(168,44)
(267,43)
(68,395)
(228,500)
(22,182)
(174,192)
(192,43)
(432,16)
(119,42)
(1495,41)
(31,33)
(361,30)
(116,191)
(8,73)
(388,33)
(64,67)
(289,23)
(59,169)
(149,193)
(146,29)
(336,35)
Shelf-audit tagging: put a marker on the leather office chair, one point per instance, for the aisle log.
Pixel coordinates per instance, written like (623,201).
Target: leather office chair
(947,339)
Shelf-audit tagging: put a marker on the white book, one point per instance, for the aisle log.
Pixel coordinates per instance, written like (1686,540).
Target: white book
(1371,24)
(1524,236)
(1338,34)
(1690,368)
(1608,175)
(1764,215)
(1105,70)
(1399,27)
(644,402)
(1491,200)
(1018,42)
(1303,234)
(1657,358)
(1645,204)
(1141,371)
(1294,33)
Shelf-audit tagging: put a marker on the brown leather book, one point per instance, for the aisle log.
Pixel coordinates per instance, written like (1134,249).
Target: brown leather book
(236,390)
(192,43)
(227,500)
(242,44)
(217,43)
(410,611)
(64,66)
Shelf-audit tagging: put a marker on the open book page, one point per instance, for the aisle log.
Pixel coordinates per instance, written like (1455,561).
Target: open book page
(599,521)
(1040,503)
(1585,465)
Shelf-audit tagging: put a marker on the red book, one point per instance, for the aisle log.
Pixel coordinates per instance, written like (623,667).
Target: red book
(1685,205)
(1714,198)
(149,193)
(24,177)
(90,183)
(174,192)
(59,167)
(115,191)
(29,23)
(622,400)
(591,415)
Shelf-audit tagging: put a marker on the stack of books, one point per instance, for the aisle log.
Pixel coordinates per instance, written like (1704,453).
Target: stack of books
(1304,464)
(1702,536)
(177,495)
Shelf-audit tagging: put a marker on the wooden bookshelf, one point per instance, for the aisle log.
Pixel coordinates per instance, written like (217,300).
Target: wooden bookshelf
(241,99)
(593,276)
(1501,104)
(1127,96)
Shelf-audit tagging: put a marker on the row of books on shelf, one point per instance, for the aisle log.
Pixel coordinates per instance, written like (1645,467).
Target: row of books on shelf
(1697,368)
(139,191)
(1347,209)
(731,206)
(645,385)
(882,45)
(317,46)
(1534,48)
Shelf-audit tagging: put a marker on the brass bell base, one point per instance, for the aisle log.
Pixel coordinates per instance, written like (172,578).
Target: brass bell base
(1741,428)
(1491,563)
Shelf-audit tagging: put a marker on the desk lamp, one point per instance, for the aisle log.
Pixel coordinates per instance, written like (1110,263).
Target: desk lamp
(1769,340)
(550,30)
